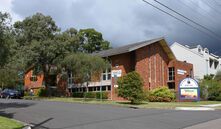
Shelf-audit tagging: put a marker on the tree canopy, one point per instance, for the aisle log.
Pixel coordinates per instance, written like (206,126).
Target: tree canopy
(83,66)
(5,37)
(92,41)
(37,41)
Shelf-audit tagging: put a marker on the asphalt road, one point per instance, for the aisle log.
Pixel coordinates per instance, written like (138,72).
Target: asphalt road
(59,115)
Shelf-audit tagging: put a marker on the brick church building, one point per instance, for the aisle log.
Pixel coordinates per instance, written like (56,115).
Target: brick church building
(152,59)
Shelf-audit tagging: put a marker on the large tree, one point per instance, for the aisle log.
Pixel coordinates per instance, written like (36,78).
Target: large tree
(36,37)
(92,41)
(37,27)
(5,37)
(70,39)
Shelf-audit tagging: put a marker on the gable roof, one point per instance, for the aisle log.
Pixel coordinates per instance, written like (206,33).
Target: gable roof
(135,46)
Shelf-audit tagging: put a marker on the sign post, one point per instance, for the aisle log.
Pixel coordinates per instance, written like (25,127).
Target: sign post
(189,90)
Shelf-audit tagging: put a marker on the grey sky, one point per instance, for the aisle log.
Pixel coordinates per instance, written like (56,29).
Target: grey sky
(128,21)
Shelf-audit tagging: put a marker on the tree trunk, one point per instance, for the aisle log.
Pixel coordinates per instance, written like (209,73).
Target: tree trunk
(46,79)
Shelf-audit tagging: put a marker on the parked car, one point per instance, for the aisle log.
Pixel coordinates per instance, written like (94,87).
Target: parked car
(10,93)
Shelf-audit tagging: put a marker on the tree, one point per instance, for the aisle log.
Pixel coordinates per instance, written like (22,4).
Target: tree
(92,41)
(5,37)
(37,27)
(83,66)
(70,39)
(218,76)
(36,37)
(131,87)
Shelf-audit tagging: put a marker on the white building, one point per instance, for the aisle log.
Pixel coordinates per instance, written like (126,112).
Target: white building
(204,62)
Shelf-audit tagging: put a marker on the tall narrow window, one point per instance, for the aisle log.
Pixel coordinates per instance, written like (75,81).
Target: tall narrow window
(171,74)
(191,73)
(70,78)
(163,72)
(155,68)
(33,77)
(107,74)
(149,70)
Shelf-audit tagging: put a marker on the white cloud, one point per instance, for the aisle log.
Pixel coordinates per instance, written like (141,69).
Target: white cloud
(5,6)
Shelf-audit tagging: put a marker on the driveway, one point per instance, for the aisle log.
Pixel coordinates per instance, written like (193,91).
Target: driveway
(59,115)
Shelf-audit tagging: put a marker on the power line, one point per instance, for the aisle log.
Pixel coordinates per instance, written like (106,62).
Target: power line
(208,34)
(203,14)
(210,5)
(187,18)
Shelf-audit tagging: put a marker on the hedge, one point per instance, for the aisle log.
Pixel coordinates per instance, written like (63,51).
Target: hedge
(91,95)
(78,95)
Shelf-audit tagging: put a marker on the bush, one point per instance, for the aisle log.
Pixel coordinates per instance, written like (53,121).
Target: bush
(78,95)
(104,95)
(131,87)
(90,94)
(210,89)
(204,84)
(214,91)
(42,93)
(161,94)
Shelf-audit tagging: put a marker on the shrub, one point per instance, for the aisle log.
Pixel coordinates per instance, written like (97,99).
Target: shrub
(104,95)
(90,94)
(42,93)
(78,95)
(161,94)
(210,89)
(131,87)
(204,84)
(26,93)
(214,91)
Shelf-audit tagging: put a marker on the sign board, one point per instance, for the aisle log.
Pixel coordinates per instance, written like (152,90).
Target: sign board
(116,73)
(181,72)
(189,89)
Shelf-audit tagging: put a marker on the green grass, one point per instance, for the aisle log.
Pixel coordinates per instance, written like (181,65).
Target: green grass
(156,105)
(6,123)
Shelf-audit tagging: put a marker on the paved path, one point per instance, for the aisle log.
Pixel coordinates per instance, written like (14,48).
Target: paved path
(59,115)
(213,124)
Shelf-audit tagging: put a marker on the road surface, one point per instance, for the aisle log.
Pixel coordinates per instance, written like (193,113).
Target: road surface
(60,115)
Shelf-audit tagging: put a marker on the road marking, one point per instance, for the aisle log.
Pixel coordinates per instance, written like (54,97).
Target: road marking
(195,108)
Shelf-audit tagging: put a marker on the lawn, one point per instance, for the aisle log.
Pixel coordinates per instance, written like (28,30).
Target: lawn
(156,105)
(6,123)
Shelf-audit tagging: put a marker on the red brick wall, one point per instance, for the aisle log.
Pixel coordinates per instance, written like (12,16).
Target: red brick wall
(151,64)
(123,62)
(182,66)
(33,84)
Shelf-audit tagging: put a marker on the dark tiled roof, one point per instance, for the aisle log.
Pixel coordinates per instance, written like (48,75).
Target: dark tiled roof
(127,48)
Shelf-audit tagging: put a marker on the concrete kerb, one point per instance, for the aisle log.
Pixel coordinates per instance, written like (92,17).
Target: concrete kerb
(211,105)
(25,125)
(195,108)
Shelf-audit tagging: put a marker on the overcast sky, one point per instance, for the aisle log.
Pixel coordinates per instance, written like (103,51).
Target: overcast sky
(128,21)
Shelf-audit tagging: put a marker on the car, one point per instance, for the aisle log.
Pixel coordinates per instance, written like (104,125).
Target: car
(10,93)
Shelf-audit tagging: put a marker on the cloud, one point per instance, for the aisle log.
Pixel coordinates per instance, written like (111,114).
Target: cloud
(128,21)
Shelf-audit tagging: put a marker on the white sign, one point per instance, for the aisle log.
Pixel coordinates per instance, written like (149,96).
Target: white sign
(116,73)
(181,72)
(189,83)
(115,86)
